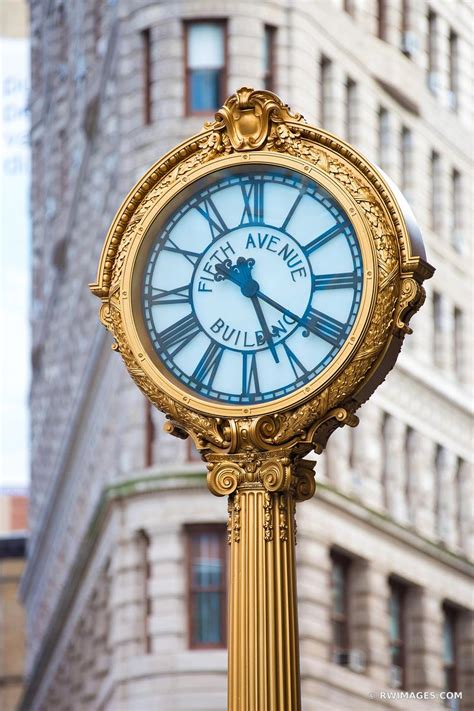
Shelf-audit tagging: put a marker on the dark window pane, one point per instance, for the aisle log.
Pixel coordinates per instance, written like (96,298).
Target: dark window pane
(207,585)
(340,634)
(207,563)
(395,615)
(338,588)
(207,606)
(204,89)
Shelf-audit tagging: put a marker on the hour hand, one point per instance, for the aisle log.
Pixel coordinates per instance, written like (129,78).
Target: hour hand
(240,274)
(264,326)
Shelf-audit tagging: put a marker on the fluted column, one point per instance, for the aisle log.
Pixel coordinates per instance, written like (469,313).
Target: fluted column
(263,622)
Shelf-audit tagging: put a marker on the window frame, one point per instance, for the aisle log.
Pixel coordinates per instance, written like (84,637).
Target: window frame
(269,73)
(452,613)
(199,528)
(224,72)
(341,558)
(146,39)
(401,642)
(382,26)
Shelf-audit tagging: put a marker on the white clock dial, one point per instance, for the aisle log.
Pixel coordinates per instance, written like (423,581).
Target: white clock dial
(253,285)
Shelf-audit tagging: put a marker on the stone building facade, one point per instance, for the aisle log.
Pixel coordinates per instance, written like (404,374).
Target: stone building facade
(120,515)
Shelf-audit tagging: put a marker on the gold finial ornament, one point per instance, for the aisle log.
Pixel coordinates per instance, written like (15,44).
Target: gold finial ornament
(328,285)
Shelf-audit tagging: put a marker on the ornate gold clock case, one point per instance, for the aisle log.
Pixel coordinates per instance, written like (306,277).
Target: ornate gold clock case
(258,282)
(256,129)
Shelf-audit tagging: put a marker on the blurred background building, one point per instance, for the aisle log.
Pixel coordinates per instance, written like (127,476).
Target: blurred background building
(126,575)
(13,536)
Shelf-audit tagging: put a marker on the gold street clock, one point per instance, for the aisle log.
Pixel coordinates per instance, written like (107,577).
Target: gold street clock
(258,282)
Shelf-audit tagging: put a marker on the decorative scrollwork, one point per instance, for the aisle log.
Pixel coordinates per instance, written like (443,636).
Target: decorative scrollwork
(268,516)
(275,474)
(283,516)
(412,297)
(223,477)
(247,117)
(305,481)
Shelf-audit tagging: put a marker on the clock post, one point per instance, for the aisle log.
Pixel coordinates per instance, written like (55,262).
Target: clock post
(258,282)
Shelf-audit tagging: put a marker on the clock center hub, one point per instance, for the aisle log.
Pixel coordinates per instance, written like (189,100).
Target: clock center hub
(231,274)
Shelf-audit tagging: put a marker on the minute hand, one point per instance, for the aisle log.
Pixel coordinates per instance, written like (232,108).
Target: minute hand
(332,335)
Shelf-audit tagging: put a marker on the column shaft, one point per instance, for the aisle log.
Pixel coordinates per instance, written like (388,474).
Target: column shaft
(263,625)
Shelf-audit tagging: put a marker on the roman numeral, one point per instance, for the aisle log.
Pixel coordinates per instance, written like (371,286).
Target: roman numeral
(192,257)
(216,223)
(318,241)
(344,280)
(297,367)
(324,326)
(294,207)
(178,335)
(252,194)
(180,295)
(250,382)
(207,367)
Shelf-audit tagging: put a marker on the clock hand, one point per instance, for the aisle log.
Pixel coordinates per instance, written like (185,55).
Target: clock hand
(265,329)
(240,274)
(304,324)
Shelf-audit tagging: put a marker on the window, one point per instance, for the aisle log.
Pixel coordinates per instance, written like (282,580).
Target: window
(439,461)
(350,106)
(143,541)
(207,589)
(383,137)
(205,66)
(410,474)
(150,434)
(269,58)
(432,48)
(449,648)
(349,7)
(437,329)
(340,565)
(382,19)
(325,89)
(147,77)
(406,158)
(404,19)
(458,342)
(453,70)
(456,210)
(397,633)
(435,189)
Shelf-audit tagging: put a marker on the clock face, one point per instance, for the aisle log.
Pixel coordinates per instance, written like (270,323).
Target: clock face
(251,285)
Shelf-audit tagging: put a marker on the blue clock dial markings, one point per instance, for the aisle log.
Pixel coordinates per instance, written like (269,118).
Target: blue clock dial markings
(250,384)
(171,246)
(296,365)
(208,365)
(292,210)
(214,218)
(322,325)
(344,280)
(252,194)
(326,236)
(178,335)
(180,295)
(251,308)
